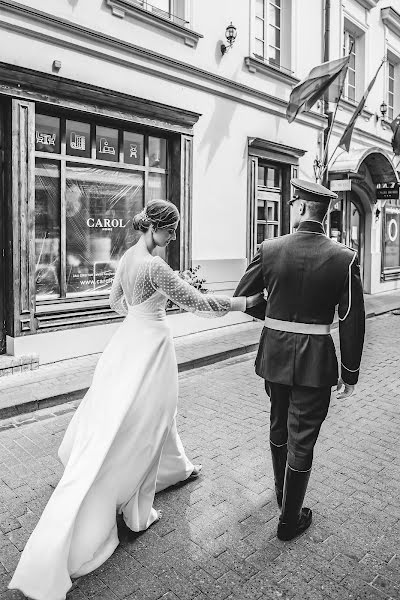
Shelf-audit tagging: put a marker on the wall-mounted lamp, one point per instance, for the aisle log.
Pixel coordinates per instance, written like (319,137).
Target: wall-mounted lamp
(383,108)
(56,66)
(377,213)
(230,34)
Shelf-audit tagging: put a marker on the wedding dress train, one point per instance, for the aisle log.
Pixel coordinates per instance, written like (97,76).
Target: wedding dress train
(122,445)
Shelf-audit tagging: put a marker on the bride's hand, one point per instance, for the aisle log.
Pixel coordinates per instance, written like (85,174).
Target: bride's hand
(254,300)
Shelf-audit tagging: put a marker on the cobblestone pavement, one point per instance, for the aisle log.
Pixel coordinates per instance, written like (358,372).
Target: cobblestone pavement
(217,536)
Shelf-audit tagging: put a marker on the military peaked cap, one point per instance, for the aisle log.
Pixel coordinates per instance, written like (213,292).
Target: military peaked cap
(308,190)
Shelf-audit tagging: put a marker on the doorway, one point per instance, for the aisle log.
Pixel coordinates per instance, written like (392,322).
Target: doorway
(346,224)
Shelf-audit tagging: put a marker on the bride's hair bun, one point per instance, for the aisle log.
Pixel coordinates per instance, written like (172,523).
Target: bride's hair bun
(141,222)
(159,213)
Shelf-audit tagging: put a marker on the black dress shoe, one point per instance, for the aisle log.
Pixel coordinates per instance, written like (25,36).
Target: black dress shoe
(288,531)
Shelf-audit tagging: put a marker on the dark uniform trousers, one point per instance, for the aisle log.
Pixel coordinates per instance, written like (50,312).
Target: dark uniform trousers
(297,413)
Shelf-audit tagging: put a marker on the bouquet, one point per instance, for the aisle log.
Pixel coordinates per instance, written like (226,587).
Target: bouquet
(191,276)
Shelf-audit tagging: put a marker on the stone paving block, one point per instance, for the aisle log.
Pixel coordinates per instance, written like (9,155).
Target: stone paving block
(217,538)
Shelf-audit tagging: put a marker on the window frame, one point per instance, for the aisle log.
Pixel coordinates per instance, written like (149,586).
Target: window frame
(268,189)
(284,27)
(63,159)
(348,38)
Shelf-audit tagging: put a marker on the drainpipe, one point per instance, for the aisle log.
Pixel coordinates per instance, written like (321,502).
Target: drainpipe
(327,29)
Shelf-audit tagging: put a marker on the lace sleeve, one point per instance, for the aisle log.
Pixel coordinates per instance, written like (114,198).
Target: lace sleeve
(186,296)
(117,296)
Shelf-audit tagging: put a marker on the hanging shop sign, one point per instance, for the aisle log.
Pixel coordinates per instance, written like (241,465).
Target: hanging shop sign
(340,185)
(387,190)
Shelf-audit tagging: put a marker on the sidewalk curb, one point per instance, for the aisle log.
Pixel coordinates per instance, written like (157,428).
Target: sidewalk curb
(28,407)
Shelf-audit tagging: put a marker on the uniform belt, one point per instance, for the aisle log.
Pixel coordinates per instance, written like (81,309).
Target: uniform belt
(292,327)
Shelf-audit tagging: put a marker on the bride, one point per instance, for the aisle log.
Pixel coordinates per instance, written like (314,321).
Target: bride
(122,445)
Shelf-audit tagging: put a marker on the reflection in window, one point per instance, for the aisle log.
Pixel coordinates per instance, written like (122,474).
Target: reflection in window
(157,187)
(157,153)
(100,205)
(47,228)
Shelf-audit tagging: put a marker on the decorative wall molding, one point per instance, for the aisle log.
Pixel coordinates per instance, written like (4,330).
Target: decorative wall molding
(121,8)
(368,4)
(256,65)
(391,18)
(275,151)
(351,106)
(228,88)
(23,211)
(49,88)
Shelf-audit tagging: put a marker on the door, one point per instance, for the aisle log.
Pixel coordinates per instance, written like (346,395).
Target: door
(2,240)
(346,222)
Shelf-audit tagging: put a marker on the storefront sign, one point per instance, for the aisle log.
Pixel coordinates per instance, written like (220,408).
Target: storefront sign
(105,223)
(340,185)
(387,190)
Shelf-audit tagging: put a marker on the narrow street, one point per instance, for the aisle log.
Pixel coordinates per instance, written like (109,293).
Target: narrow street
(217,536)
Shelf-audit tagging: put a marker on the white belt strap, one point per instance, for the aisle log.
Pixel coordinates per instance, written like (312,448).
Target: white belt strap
(292,327)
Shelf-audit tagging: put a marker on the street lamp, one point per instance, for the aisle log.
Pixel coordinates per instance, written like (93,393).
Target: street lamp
(230,34)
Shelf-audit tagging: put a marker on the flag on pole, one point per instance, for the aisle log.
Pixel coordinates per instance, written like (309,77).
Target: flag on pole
(307,92)
(395,127)
(345,140)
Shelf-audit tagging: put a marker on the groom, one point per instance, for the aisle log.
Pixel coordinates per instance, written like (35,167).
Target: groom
(306,275)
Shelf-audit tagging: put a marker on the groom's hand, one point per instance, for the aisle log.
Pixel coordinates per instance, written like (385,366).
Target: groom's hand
(345,390)
(254,300)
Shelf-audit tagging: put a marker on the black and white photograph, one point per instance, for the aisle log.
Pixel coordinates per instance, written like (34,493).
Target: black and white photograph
(199,299)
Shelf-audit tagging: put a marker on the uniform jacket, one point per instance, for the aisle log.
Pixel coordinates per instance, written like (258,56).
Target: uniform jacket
(307,275)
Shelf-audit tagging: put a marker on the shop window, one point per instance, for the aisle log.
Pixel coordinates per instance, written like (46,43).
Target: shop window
(84,208)
(391,236)
(272,32)
(47,228)
(100,204)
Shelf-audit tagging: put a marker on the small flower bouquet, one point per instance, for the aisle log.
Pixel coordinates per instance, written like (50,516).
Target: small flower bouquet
(191,276)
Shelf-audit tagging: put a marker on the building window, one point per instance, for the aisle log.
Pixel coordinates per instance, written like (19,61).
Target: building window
(350,82)
(391,82)
(268,203)
(391,236)
(90,181)
(272,32)
(174,10)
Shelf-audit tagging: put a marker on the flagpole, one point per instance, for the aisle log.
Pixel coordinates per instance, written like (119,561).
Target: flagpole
(337,147)
(324,162)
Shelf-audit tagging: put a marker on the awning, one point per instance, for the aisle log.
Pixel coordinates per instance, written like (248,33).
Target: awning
(377,160)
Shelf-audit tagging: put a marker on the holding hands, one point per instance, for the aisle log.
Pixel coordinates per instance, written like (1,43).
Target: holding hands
(344,390)
(254,300)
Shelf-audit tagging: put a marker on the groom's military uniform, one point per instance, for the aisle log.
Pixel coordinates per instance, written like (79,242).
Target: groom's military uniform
(306,275)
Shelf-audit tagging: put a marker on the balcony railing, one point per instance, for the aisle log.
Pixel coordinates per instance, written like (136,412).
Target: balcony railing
(168,16)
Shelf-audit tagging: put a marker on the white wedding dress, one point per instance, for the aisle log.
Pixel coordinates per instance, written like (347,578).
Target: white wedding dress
(122,445)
